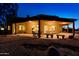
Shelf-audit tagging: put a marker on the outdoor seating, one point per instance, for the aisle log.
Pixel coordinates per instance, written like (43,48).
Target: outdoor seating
(47,35)
(35,34)
(61,36)
(71,37)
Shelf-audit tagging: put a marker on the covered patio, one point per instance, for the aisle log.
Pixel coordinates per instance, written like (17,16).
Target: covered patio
(44,26)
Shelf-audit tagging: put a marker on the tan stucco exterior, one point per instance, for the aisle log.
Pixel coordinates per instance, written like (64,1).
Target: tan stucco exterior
(27,27)
(32,24)
(49,24)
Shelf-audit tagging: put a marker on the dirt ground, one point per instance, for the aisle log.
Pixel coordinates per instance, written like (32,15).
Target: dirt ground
(26,46)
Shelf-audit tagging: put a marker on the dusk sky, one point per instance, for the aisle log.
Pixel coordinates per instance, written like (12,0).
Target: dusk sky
(61,10)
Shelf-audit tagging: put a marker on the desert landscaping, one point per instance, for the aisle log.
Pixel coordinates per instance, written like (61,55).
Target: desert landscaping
(28,46)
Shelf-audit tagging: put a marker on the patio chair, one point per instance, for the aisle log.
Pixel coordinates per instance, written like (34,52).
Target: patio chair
(70,36)
(35,34)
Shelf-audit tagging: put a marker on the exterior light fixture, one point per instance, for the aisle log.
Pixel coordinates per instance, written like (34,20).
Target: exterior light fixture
(64,22)
(30,21)
(53,21)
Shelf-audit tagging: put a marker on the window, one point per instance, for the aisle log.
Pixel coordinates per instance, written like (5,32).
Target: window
(8,27)
(35,28)
(49,29)
(53,28)
(21,27)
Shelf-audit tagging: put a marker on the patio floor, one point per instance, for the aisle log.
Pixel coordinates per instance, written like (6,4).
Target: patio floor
(44,36)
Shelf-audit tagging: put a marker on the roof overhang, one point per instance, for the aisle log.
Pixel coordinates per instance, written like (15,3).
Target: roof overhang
(41,17)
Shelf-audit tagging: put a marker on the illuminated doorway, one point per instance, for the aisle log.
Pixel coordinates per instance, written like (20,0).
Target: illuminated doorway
(35,28)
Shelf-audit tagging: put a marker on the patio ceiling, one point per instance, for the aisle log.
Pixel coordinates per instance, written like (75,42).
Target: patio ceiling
(65,23)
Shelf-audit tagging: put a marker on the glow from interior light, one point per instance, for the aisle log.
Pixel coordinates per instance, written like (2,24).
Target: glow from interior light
(64,23)
(8,27)
(2,28)
(54,21)
(21,27)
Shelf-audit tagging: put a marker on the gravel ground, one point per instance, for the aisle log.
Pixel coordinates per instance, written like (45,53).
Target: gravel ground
(14,47)
(20,50)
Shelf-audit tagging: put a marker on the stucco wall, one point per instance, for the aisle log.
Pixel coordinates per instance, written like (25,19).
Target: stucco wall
(28,26)
(17,27)
(58,27)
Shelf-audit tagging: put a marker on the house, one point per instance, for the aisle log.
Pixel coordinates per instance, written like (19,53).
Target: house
(40,24)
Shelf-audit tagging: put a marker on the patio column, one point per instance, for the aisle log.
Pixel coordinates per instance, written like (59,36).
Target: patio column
(73,30)
(67,28)
(15,28)
(39,28)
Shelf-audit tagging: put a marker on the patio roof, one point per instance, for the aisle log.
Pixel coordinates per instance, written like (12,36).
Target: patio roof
(41,17)
(49,17)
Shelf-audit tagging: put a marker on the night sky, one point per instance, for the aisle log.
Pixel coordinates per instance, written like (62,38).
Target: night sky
(61,10)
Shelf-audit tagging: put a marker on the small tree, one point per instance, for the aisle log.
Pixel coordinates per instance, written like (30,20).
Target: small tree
(7,10)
